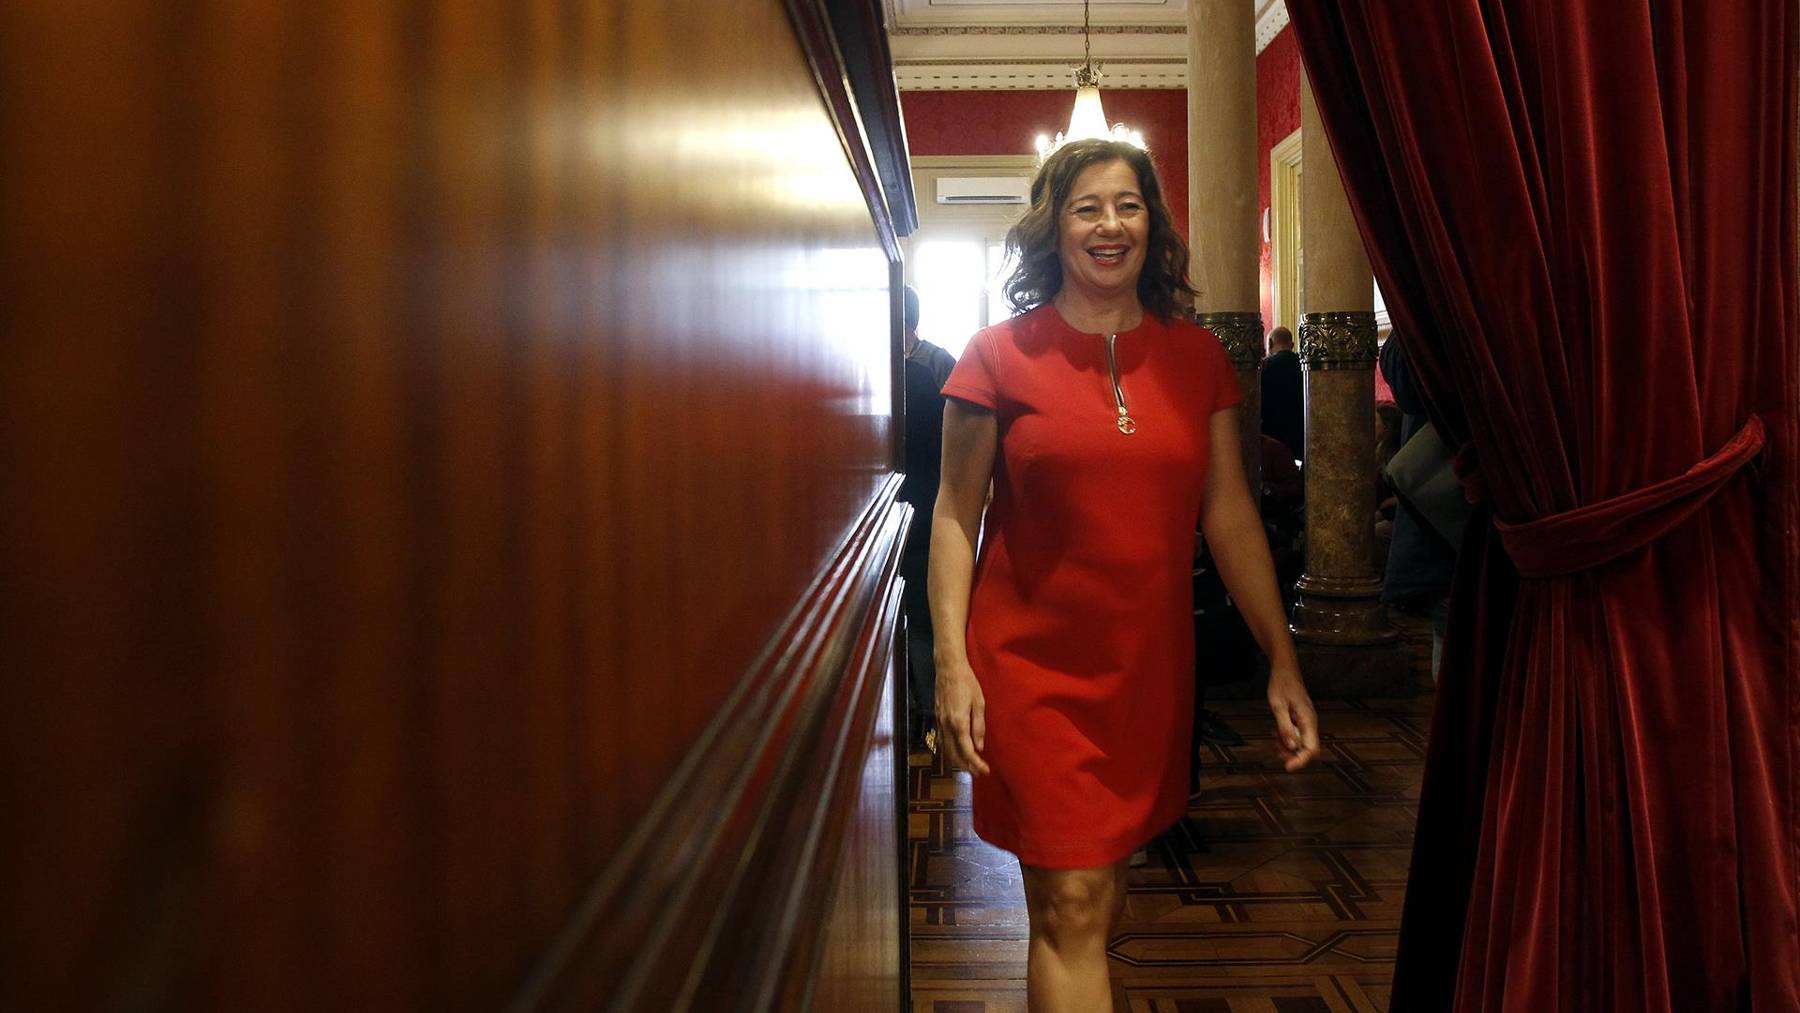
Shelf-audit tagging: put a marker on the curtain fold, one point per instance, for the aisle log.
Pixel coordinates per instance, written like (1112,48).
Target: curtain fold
(1581,216)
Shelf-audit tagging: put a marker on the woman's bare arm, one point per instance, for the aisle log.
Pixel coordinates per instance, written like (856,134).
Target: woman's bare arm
(1240,548)
(970,438)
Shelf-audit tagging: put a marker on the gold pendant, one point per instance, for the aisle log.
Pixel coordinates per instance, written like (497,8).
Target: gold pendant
(1126,424)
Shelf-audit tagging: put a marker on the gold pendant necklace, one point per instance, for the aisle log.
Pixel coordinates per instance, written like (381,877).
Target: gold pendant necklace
(1127,425)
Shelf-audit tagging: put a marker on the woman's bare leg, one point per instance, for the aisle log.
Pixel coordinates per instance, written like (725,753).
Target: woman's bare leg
(1073,913)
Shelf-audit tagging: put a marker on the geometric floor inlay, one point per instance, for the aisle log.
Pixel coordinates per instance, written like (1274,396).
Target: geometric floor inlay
(1277,893)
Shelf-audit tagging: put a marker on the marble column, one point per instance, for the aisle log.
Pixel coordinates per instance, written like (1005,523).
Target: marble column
(1340,591)
(1222,213)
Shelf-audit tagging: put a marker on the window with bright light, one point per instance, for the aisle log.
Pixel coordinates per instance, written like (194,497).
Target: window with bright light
(960,284)
(948,275)
(998,269)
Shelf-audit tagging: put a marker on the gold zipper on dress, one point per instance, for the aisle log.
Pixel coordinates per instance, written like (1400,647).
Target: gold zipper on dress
(1125,422)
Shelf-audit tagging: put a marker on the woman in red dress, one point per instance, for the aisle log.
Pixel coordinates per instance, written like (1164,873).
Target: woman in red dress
(1106,424)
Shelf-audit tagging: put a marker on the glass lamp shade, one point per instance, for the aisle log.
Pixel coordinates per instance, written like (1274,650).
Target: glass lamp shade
(1088,119)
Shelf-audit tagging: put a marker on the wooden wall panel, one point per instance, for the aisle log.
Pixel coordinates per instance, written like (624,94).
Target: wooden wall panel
(416,418)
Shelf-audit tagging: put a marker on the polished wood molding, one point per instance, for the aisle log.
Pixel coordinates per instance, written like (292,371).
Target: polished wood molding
(857,966)
(705,904)
(863,44)
(827,795)
(817,34)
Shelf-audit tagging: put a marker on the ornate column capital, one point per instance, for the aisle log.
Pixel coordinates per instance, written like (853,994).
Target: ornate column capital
(1240,333)
(1338,340)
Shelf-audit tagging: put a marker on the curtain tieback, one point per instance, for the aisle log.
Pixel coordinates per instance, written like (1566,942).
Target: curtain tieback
(1586,537)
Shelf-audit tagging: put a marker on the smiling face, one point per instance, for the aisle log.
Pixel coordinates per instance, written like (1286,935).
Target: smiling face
(1103,231)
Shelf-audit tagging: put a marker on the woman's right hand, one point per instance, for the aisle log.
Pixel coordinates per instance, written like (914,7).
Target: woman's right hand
(961,717)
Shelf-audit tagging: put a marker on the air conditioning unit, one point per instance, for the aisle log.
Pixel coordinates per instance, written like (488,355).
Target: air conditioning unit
(983,189)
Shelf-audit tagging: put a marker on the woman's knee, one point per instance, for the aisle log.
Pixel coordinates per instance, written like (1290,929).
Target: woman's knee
(1070,905)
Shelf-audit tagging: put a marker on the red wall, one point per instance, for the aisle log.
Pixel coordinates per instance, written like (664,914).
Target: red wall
(1008,122)
(1277,115)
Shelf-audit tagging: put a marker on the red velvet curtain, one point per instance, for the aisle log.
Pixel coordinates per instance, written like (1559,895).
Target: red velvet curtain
(1582,217)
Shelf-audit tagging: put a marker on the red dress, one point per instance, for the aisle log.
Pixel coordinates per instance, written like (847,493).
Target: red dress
(1081,618)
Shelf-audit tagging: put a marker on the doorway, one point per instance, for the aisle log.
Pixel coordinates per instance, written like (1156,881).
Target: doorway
(1284,231)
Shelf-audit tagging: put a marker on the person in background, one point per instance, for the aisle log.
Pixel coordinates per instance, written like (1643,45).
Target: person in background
(1106,422)
(1223,645)
(1420,562)
(1388,418)
(1284,514)
(926,368)
(1284,394)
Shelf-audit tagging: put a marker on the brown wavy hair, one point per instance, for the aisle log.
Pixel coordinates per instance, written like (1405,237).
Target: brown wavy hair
(1037,276)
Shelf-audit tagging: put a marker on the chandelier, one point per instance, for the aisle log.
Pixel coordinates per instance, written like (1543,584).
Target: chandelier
(1087,119)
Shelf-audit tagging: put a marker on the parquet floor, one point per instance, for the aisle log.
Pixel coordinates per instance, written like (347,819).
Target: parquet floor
(1276,894)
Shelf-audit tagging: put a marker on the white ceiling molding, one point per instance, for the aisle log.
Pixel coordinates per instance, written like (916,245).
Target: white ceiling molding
(980,45)
(1019,57)
(1039,30)
(903,14)
(1033,75)
(1061,49)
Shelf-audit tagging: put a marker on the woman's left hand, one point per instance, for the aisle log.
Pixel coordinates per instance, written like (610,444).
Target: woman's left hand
(1296,724)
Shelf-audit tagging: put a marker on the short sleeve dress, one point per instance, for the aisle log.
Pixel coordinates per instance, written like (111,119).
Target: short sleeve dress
(1081,618)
